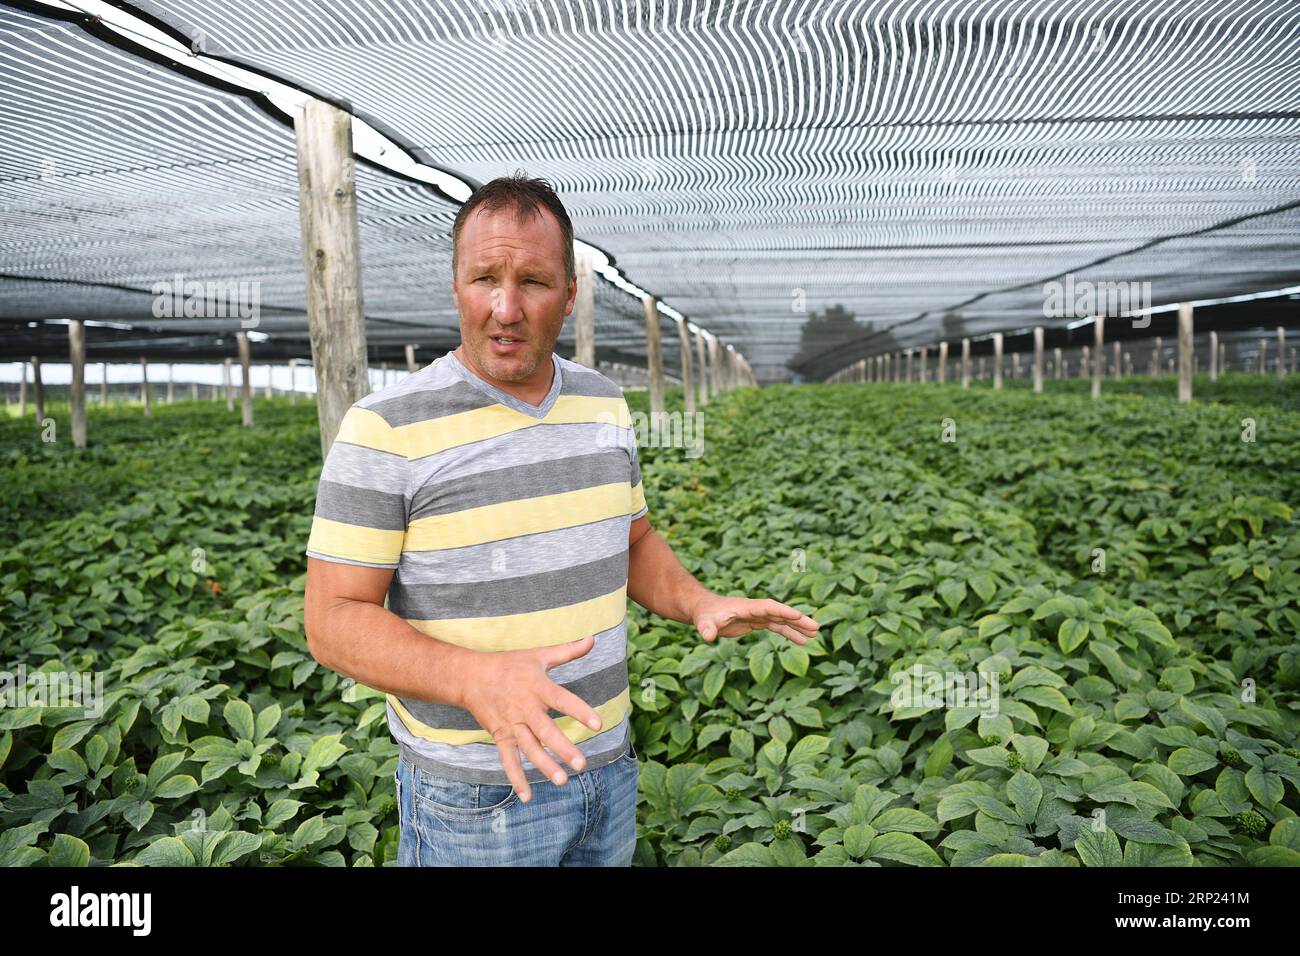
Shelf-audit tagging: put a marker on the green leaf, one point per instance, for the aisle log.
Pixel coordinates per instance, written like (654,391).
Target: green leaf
(1072,633)
(1098,848)
(68,851)
(1025,792)
(240,718)
(902,848)
(1187,762)
(953,592)
(1265,787)
(166,851)
(905,820)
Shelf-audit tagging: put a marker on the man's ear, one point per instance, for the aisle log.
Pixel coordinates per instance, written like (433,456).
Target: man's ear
(573,296)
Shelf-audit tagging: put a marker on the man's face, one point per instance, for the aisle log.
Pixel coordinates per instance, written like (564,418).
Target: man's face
(511,291)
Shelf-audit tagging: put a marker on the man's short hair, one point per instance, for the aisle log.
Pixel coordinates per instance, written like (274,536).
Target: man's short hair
(523,196)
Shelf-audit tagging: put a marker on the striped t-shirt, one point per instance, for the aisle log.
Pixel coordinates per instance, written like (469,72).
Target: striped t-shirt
(507,525)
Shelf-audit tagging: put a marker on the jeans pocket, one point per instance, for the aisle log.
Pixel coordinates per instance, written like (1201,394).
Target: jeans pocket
(630,753)
(456,798)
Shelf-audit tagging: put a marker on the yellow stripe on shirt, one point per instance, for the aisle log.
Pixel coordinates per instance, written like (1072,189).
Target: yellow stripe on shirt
(510,519)
(611,714)
(514,632)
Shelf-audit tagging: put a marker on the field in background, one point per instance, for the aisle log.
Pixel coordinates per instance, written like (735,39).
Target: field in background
(1127,572)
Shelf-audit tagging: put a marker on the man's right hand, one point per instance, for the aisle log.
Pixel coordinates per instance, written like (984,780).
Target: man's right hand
(510,695)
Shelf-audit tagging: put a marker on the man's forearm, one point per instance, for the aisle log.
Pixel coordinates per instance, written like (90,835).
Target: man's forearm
(375,647)
(657,581)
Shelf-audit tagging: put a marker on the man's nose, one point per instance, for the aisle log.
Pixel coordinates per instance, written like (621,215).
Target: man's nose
(505,304)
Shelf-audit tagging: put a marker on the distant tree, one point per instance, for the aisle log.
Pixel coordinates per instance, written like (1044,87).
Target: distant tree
(830,340)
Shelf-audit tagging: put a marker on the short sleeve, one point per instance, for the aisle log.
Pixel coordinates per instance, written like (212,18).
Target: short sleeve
(361,503)
(638,504)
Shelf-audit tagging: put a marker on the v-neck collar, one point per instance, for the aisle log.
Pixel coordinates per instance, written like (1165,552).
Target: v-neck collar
(505,398)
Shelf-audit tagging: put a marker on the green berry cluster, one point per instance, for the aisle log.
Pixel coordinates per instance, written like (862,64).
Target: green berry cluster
(732,793)
(781,830)
(722,843)
(1250,823)
(1015,761)
(1233,759)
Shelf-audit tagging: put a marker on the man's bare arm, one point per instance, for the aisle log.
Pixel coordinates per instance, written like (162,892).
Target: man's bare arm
(350,631)
(659,583)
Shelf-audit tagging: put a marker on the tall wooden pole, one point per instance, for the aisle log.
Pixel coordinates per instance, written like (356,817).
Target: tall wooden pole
(684,344)
(293,380)
(654,355)
(584,313)
(925,354)
(965,363)
(38,388)
(1015,364)
(77,391)
(997,360)
(703,364)
(1281,353)
(943,363)
(1214,356)
(245,380)
(171,383)
(1038,359)
(22,393)
(230,391)
(1099,340)
(327,208)
(410,359)
(1056,363)
(1263,356)
(144,385)
(270,390)
(1118,371)
(1185,352)
(194,391)
(103,383)
(1156,350)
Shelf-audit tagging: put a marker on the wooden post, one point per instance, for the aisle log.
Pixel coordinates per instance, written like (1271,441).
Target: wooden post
(194,391)
(1263,356)
(327,208)
(103,383)
(1015,364)
(654,355)
(981,369)
(77,391)
(1099,359)
(1128,364)
(270,390)
(943,363)
(1281,353)
(584,313)
(245,382)
(1084,358)
(715,380)
(965,363)
(144,385)
(688,387)
(1056,359)
(1118,371)
(22,393)
(1038,359)
(703,366)
(38,388)
(216,393)
(997,360)
(171,383)
(925,354)
(293,380)
(1156,349)
(410,359)
(230,393)
(1223,356)
(1214,356)
(1185,352)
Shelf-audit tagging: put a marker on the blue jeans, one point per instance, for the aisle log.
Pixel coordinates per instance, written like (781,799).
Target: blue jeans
(590,821)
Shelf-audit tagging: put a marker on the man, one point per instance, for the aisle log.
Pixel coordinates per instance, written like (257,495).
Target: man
(517,531)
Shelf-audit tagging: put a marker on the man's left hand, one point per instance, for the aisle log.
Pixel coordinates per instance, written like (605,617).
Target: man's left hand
(717,616)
